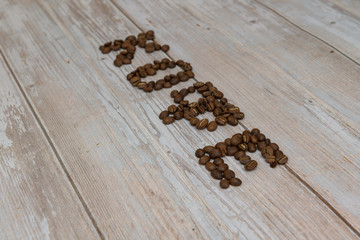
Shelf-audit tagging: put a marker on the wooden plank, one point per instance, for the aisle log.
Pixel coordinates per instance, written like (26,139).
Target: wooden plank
(285,81)
(139,177)
(348,7)
(37,201)
(326,20)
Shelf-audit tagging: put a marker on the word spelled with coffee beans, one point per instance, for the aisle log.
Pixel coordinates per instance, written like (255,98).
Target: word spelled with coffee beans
(211,100)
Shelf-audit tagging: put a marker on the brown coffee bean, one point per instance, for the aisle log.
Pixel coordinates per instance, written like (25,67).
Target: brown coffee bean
(253,139)
(157,86)
(228,174)
(278,153)
(251,165)
(210,166)
(184,102)
(202,89)
(221,121)
(194,121)
(178,98)
(203,160)
(251,147)
(273,164)
(243,147)
(232,121)
(228,141)
(172,109)
(261,145)
(261,137)
(150,72)
(212,126)
(180,108)
(269,151)
(244,159)
(270,158)
(235,182)
(224,184)
(218,161)
(239,154)
(282,160)
(178,115)
(191,89)
(222,147)
(163,114)
(231,150)
(141,85)
(267,141)
(216,174)
(167,85)
(171,64)
(207,149)
(135,80)
(168,120)
(173,93)
(215,153)
(165,48)
(199,153)
(118,62)
(202,124)
(246,138)
(255,131)
(236,140)
(274,146)
(223,167)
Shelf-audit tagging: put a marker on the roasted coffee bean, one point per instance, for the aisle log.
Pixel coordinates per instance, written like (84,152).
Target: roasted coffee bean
(228,141)
(178,115)
(261,145)
(167,85)
(216,174)
(236,140)
(221,121)
(178,98)
(157,86)
(251,165)
(251,147)
(184,102)
(163,114)
(283,159)
(274,146)
(174,80)
(278,153)
(244,159)
(198,85)
(212,126)
(142,85)
(199,153)
(151,84)
(184,92)
(165,48)
(243,147)
(171,64)
(180,108)
(202,89)
(218,161)
(253,139)
(231,150)
(246,138)
(223,167)
(135,80)
(191,89)
(188,115)
(255,131)
(201,109)
(118,62)
(172,109)
(228,174)
(269,151)
(202,124)
(194,121)
(224,184)
(235,182)
(210,166)
(222,147)
(234,110)
(207,149)
(239,154)
(267,141)
(173,93)
(232,121)
(261,137)
(273,164)
(270,158)
(203,160)
(168,120)
(150,72)
(215,153)
(148,89)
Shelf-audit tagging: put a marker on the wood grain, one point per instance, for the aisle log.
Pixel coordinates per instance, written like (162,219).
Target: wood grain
(139,177)
(36,198)
(285,81)
(326,20)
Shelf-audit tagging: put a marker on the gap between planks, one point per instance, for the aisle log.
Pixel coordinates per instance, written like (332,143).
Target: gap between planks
(297,176)
(53,148)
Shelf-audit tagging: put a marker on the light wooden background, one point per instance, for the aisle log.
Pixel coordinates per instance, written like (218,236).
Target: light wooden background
(83,155)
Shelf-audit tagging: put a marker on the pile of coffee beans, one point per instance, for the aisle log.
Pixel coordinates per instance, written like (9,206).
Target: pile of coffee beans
(211,100)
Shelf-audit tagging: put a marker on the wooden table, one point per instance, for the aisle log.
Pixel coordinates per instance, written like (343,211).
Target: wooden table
(83,154)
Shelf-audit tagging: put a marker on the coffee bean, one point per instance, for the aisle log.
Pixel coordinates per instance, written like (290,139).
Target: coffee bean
(203,160)
(232,121)
(218,161)
(243,147)
(261,145)
(172,109)
(278,153)
(228,141)
(255,131)
(221,121)
(231,150)
(173,93)
(165,48)
(150,71)
(246,138)
(274,146)
(267,141)
(207,149)
(178,115)
(253,139)
(216,174)
(178,98)
(269,151)
(163,114)
(224,184)
(223,167)
(167,85)
(282,160)
(194,121)
(222,147)
(273,164)
(251,147)
(148,89)
(239,154)
(199,153)
(244,159)
(250,165)
(261,137)
(235,182)
(215,153)
(210,166)
(212,126)
(191,89)
(228,174)
(236,140)
(270,158)
(202,124)
(168,120)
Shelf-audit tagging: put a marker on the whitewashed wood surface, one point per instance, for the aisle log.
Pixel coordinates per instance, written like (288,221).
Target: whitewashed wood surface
(139,178)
